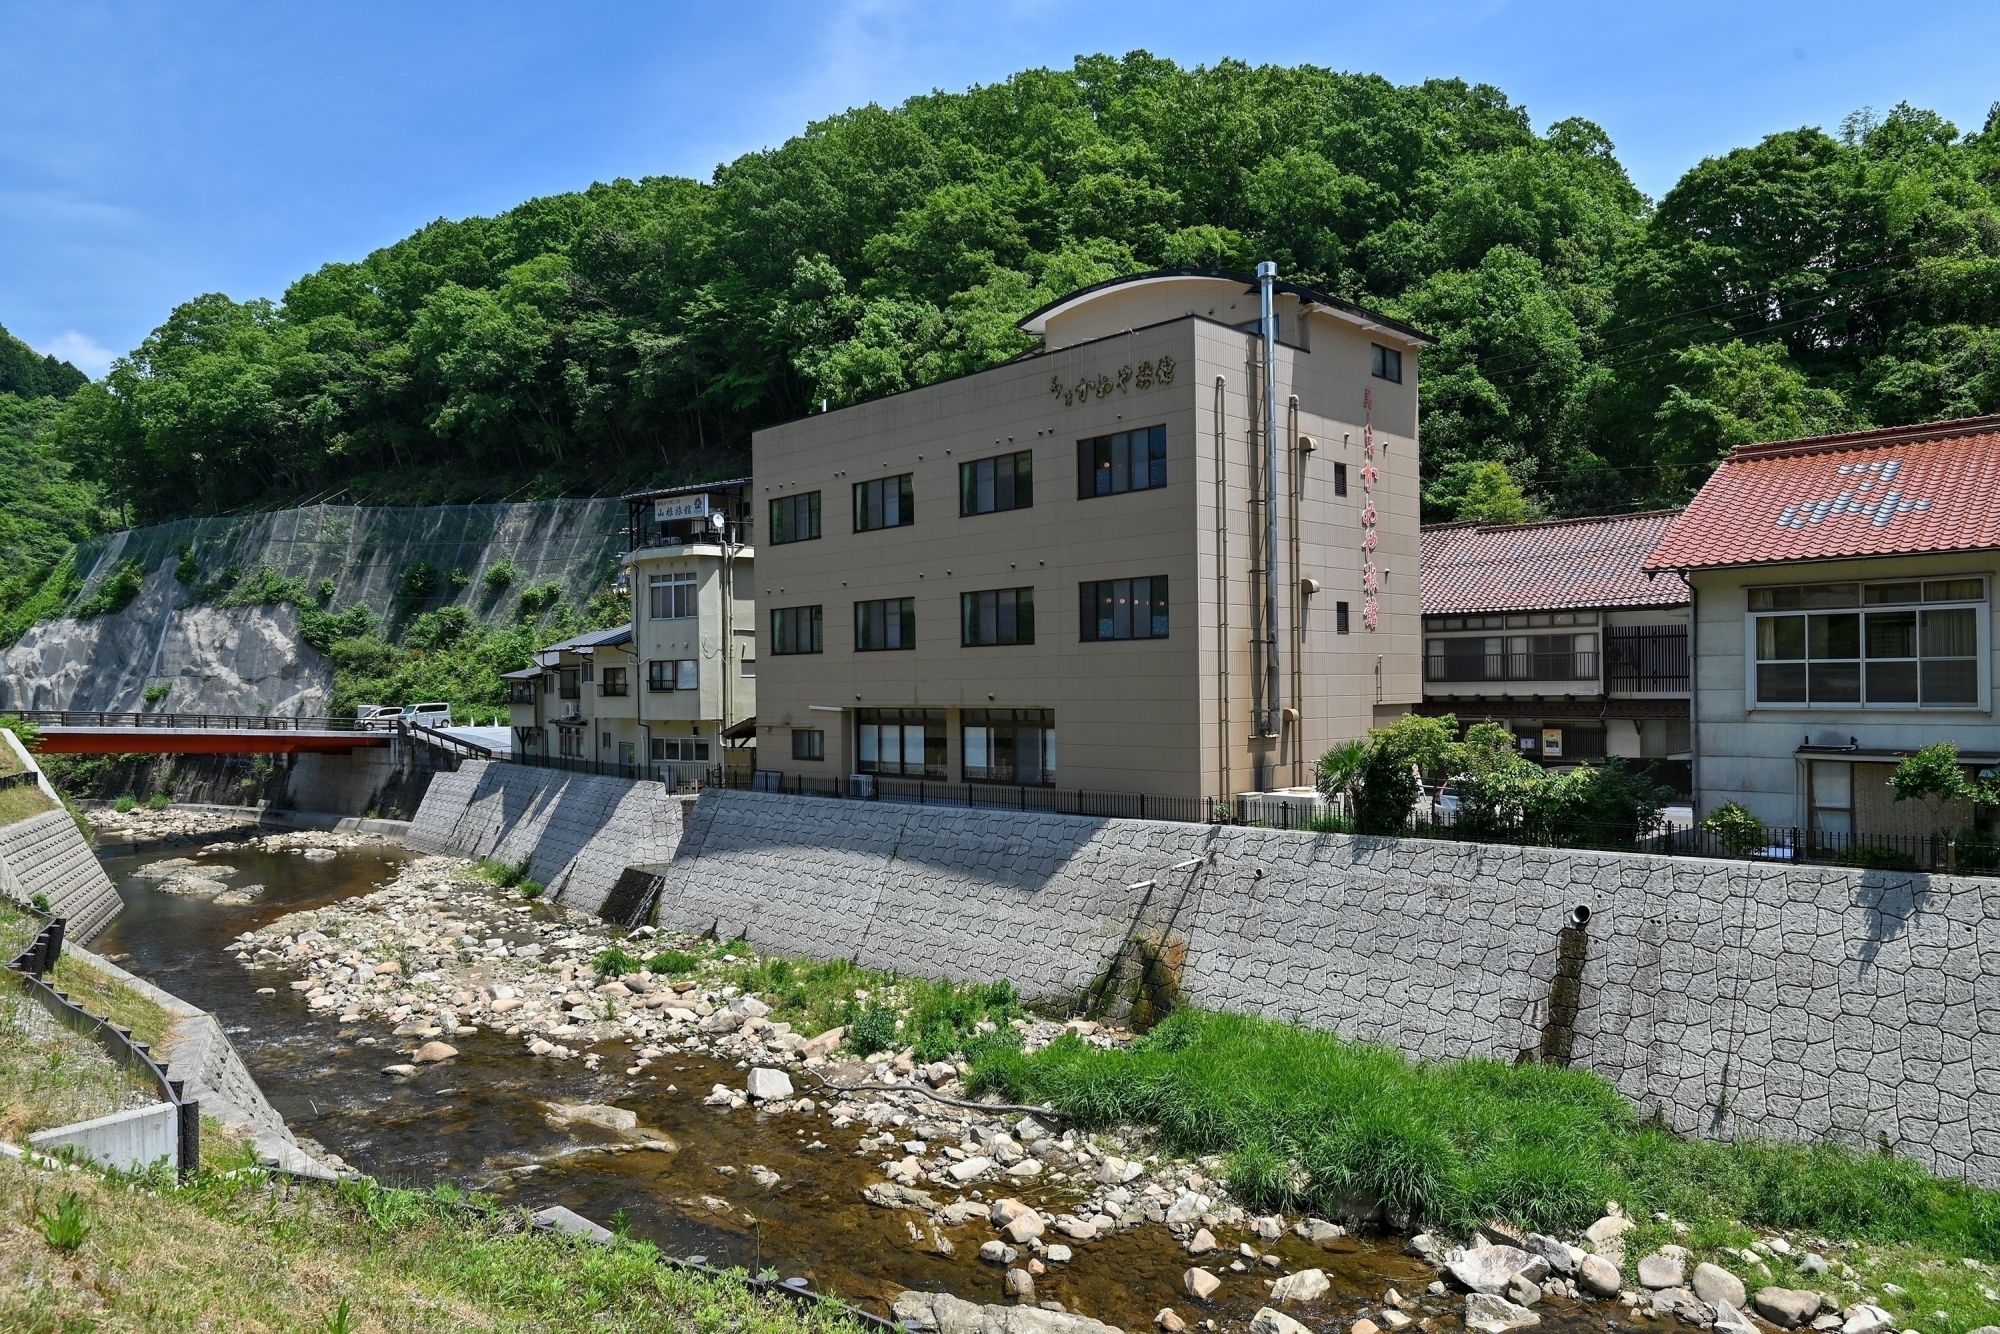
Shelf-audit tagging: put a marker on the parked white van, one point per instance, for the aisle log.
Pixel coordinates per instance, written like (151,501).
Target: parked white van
(434,714)
(376,717)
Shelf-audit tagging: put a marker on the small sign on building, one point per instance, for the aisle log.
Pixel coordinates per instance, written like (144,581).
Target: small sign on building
(1552,743)
(667,509)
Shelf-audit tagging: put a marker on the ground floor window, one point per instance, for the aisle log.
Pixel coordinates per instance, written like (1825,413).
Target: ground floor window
(678,748)
(808,743)
(569,742)
(1009,746)
(900,741)
(1830,797)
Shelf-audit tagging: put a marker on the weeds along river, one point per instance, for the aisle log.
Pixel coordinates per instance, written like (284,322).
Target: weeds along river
(480,1121)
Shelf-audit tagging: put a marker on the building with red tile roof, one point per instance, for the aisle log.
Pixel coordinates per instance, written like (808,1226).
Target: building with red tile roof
(1843,592)
(1901,491)
(1558,630)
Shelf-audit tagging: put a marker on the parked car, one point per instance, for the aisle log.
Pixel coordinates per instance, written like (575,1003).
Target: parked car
(434,714)
(377,717)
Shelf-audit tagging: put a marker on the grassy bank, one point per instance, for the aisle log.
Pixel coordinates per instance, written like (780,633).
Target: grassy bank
(52,1076)
(243,1254)
(1308,1121)
(102,994)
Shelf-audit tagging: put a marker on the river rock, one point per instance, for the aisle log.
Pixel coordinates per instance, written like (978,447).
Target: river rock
(996,1252)
(1664,1268)
(1715,1285)
(433,1052)
(889,1195)
(1318,1231)
(592,1114)
(1607,1236)
(1523,1291)
(768,1085)
(1730,1320)
(1024,1227)
(967,1168)
(1865,1318)
(1598,1276)
(947,1314)
(1201,1243)
(1268,1321)
(1490,1268)
(1562,1256)
(1168,1321)
(1364,1326)
(823,1046)
(1305,1286)
(1200,1284)
(1496,1315)
(1787,1308)
(1020,1285)
(403,1071)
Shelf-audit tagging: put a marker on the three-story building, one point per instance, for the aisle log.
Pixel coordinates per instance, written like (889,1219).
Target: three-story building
(1092,567)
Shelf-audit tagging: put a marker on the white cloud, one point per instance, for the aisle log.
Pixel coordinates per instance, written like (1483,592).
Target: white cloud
(81,351)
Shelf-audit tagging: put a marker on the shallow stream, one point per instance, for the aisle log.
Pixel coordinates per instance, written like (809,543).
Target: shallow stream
(478,1120)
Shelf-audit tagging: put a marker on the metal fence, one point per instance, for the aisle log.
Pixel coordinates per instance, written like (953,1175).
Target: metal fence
(236,722)
(32,966)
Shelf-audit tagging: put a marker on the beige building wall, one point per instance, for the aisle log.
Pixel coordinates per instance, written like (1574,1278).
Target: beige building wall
(721,638)
(1749,755)
(1142,716)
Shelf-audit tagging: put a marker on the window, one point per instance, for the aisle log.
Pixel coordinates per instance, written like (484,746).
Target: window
(569,742)
(571,687)
(670,597)
(1340,618)
(795,518)
(992,485)
(589,671)
(1123,609)
(886,502)
(885,623)
(521,692)
(1885,645)
(796,630)
(673,674)
(613,682)
(1009,746)
(681,749)
(1110,465)
(1340,479)
(899,741)
(1560,657)
(1830,794)
(808,743)
(998,616)
(1385,363)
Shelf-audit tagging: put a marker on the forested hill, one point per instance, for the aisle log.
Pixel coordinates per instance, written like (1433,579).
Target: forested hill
(1603,348)
(26,373)
(44,507)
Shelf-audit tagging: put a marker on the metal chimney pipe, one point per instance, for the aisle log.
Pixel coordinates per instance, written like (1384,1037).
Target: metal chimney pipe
(1274,723)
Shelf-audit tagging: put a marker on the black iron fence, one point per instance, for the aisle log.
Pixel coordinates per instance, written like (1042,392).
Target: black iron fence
(235,722)
(25,778)
(32,967)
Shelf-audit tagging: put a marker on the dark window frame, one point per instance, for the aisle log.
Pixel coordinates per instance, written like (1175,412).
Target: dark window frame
(1098,602)
(787,505)
(871,500)
(808,743)
(897,618)
(1007,603)
(814,629)
(1385,363)
(932,722)
(1105,463)
(1010,724)
(1340,479)
(1017,483)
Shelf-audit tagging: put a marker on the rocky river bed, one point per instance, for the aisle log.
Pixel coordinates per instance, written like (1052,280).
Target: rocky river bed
(431,1025)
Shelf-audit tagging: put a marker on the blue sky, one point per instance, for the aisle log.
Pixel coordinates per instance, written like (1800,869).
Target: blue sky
(150,152)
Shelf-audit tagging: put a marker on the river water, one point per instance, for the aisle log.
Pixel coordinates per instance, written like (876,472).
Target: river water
(479,1121)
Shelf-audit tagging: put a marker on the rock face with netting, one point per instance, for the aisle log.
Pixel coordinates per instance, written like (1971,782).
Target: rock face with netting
(217,617)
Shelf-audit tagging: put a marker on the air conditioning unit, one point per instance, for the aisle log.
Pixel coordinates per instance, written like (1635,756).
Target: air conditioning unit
(861,785)
(572,714)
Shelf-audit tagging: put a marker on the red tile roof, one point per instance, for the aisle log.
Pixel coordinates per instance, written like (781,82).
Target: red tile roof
(1563,565)
(1934,487)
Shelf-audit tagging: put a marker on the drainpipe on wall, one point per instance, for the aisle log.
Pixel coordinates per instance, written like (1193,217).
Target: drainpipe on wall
(1274,714)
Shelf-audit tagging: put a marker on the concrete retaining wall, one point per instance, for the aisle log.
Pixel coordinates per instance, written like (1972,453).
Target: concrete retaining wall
(46,854)
(197,1051)
(1731,999)
(577,832)
(125,1141)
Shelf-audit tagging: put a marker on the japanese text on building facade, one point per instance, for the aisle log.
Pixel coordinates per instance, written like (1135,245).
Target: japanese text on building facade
(1143,376)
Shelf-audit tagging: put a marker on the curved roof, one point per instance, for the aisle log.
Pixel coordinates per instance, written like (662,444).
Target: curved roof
(1560,565)
(1037,322)
(1905,490)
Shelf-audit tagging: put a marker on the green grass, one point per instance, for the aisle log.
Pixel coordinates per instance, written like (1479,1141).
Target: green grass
(106,996)
(1308,1120)
(881,1011)
(22,803)
(53,1076)
(244,1253)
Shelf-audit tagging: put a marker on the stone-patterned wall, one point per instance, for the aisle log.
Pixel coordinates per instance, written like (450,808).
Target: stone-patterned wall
(46,854)
(1731,999)
(578,832)
(1728,998)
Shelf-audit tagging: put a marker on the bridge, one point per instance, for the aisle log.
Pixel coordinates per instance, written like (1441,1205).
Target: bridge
(88,732)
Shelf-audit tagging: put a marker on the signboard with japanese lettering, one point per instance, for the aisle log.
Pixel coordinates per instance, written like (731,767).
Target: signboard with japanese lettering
(669,508)
(1552,742)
